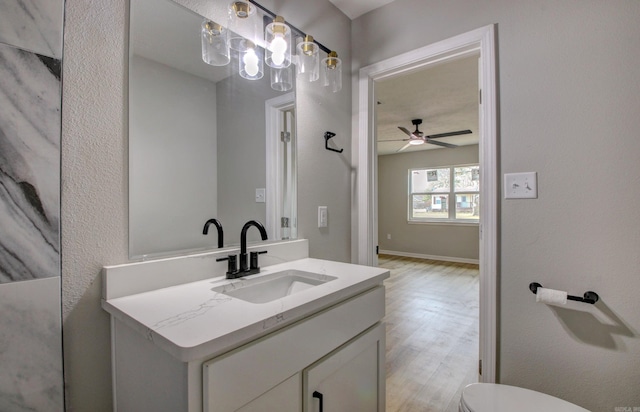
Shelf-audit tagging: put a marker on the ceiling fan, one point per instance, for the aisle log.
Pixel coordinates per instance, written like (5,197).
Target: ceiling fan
(417,137)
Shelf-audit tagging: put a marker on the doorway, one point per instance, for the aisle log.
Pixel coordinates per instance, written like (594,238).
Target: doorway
(480,41)
(281,166)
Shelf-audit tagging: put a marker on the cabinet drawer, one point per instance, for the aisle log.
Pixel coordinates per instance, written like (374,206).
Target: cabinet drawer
(234,379)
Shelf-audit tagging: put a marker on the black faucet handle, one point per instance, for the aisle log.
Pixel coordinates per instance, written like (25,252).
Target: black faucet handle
(253,259)
(232,267)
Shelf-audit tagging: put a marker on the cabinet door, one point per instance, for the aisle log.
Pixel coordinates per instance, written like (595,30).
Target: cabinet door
(351,378)
(285,397)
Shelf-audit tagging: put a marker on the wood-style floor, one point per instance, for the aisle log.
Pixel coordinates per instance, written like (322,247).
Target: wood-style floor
(432,333)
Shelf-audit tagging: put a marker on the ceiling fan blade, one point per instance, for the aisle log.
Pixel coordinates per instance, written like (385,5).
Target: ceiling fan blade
(403,147)
(443,144)
(405,130)
(459,132)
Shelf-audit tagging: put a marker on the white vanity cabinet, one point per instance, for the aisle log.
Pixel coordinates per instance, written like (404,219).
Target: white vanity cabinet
(194,346)
(351,378)
(338,351)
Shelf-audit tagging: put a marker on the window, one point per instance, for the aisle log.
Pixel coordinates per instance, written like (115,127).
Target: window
(449,194)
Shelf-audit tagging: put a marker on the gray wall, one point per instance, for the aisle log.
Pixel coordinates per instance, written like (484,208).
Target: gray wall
(173,148)
(30,312)
(242,144)
(94,171)
(454,242)
(569,97)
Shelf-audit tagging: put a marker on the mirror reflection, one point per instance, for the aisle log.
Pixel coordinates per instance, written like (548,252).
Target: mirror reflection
(204,143)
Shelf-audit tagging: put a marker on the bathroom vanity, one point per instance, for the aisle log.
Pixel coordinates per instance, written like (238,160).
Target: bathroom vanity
(300,334)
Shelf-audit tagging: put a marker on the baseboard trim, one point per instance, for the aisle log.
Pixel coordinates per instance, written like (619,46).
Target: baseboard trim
(431,257)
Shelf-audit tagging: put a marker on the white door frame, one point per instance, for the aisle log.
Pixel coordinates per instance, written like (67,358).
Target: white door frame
(482,40)
(274,175)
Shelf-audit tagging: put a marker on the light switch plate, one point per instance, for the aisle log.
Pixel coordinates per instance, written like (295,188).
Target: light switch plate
(260,195)
(521,185)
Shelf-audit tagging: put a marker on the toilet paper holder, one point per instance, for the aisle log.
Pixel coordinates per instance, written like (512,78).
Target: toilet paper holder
(588,297)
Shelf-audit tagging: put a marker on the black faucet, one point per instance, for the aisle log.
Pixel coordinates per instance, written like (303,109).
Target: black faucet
(232,269)
(243,248)
(205,230)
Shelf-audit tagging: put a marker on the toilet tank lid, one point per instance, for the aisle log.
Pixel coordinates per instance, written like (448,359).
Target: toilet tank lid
(491,397)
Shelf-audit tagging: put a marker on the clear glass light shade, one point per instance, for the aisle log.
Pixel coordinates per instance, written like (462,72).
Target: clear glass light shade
(332,70)
(250,62)
(282,79)
(215,49)
(308,67)
(243,25)
(277,36)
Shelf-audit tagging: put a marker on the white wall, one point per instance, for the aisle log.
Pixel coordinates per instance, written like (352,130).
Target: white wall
(173,146)
(94,171)
(437,240)
(569,94)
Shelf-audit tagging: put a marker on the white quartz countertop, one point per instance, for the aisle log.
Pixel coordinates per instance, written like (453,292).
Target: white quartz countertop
(191,321)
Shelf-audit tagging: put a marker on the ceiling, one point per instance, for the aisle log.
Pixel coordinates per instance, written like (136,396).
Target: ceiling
(356,8)
(444,96)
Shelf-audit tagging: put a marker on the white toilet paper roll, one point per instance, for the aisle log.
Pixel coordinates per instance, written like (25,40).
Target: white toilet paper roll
(551,296)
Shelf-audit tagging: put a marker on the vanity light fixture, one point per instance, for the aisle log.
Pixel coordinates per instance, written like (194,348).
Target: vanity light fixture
(243,25)
(215,49)
(332,69)
(282,78)
(277,36)
(308,59)
(307,55)
(250,62)
(241,35)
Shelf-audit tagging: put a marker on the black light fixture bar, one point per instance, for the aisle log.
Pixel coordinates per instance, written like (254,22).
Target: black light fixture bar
(296,30)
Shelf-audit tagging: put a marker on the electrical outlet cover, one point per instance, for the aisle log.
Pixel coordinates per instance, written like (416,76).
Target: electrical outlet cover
(323,218)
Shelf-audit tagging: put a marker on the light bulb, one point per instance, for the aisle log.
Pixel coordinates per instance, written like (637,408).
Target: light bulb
(279,44)
(250,61)
(277,58)
(278,48)
(252,69)
(277,36)
(416,142)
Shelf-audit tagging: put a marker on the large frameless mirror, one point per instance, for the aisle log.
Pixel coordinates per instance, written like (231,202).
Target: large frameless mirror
(203,142)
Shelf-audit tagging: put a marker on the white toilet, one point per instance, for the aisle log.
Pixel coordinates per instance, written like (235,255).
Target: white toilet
(491,397)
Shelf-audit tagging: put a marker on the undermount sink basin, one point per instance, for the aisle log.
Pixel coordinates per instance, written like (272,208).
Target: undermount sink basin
(273,286)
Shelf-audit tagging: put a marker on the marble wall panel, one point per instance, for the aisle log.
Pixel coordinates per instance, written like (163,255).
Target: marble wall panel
(30,311)
(29,165)
(31,346)
(34,25)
